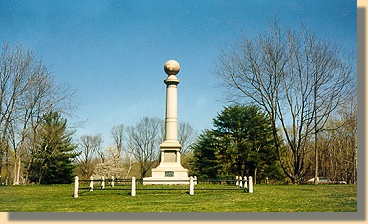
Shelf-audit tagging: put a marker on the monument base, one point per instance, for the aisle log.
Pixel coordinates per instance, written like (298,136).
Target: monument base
(168,173)
(165,180)
(170,170)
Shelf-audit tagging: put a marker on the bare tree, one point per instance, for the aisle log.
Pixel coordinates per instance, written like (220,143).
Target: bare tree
(117,133)
(89,148)
(299,80)
(338,155)
(143,142)
(187,136)
(27,91)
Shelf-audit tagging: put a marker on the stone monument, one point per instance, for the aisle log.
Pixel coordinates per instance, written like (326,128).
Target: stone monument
(170,170)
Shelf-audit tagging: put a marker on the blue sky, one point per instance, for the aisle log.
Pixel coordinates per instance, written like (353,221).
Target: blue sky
(113,52)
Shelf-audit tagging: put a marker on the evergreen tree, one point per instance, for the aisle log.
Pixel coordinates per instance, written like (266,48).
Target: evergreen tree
(240,144)
(205,163)
(55,151)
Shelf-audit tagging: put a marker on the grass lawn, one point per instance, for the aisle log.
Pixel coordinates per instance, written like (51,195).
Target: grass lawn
(266,198)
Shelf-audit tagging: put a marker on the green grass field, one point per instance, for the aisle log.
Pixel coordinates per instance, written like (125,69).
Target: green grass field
(266,198)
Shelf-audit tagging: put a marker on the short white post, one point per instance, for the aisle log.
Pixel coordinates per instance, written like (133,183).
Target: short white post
(91,184)
(237,181)
(191,186)
(112,182)
(103,183)
(133,186)
(76,186)
(245,182)
(250,184)
(240,182)
(195,180)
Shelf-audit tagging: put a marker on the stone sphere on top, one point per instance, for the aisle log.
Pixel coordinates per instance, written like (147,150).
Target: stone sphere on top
(171,67)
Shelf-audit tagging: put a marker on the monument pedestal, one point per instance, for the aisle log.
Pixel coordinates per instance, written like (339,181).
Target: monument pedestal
(170,170)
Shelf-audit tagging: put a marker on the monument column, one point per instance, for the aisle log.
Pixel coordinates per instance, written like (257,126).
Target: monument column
(170,170)
(171,120)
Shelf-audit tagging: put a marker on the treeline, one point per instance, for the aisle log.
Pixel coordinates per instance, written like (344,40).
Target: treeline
(134,152)
(303,83)
(37,144)
(337,147)
(241,143)
(30,107)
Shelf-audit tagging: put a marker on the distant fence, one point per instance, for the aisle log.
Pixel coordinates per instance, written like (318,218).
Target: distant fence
(240,183)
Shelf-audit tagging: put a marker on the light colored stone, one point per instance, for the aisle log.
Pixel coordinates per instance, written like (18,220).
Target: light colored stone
(170,171)
(172,67)
(91,184)
(76,186)
(133,193)
(250,179)
(191,186)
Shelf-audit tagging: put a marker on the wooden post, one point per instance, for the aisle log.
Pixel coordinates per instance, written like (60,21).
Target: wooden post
(191,186)
(103,183)
(250,184)
(240,182)
(133,186)
(76,186)
(112,182)
(91,184)
(237,181)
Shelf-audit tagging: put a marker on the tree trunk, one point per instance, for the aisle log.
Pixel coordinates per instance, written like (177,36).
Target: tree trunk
(15,175)
(255,176)
(18,172)
(130,165)
(28,171)
(316,161)
(15,172)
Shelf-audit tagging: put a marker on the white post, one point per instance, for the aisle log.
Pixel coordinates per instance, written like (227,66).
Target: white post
(240,182)
(103,183)
(91,184)
(191,186)
(250,184)
(245,182)
(195,180)
(112,182)
(133,186)
(237,181)
(76,186)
